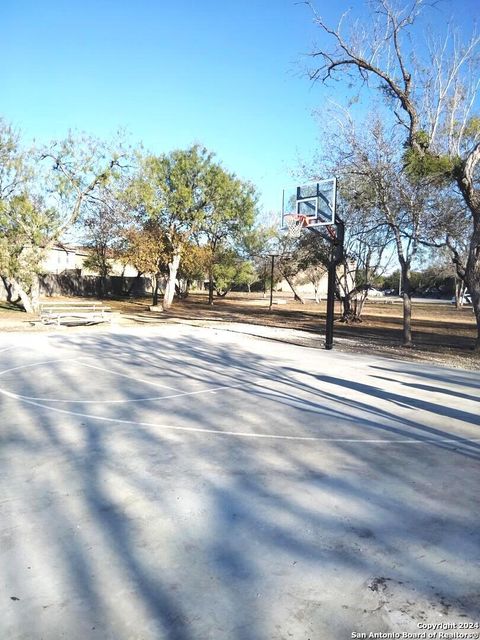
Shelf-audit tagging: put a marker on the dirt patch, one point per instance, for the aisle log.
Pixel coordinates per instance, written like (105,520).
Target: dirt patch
(441,333)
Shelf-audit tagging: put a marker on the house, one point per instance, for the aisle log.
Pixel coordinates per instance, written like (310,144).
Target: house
(70,258)
(66,271)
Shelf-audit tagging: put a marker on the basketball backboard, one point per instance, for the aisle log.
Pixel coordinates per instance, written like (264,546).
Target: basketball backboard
(313,204)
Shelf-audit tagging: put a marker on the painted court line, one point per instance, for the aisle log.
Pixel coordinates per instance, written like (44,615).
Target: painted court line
(7,349)
(173,395)
(124,375)
(36,364)
(240,434)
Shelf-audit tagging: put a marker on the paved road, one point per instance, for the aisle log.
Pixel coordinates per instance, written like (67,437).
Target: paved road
(188,483)
(398,299)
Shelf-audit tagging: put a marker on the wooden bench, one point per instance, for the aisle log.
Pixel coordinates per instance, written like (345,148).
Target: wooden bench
(74,312)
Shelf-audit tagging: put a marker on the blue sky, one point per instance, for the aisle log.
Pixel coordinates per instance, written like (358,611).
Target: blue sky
(225,73)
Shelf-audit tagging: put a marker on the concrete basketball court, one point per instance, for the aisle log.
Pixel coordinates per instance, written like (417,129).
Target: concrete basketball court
(189,484)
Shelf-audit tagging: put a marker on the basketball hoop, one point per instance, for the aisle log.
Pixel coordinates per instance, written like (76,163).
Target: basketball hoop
(295,223)
(313,207)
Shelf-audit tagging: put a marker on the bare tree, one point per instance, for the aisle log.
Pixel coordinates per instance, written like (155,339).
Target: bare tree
(432,100)
(448,230)
(393,201)
(103,224)
(365,259)
(383,210)
(313,254)
(292,257)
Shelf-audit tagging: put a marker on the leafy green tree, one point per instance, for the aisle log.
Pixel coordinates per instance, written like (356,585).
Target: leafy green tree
(193,266)
(256,245)
(188,195)
(247,275)
(170,192)
(229,214)
(392,281)
(148,250)
(230,270)
(25,223)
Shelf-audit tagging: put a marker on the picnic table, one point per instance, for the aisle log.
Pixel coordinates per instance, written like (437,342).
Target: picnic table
(74,312)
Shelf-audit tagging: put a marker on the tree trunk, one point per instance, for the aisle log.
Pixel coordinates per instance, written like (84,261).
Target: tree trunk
(211,288)
(172,276)
(35,293)
(122,281)
(466,183)
(407,304)
(359,304)
(156,285)
(475,293)
(9,291)
(352,303)
(472,277)
(296,297)
(352,307)
(407,319)
(347,312)
(104,285)
(134,282)
(459,292)
(18,290)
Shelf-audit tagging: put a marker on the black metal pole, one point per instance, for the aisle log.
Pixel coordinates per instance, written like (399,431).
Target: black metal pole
(336,258)
(340,240)
(271,283)
(330,304)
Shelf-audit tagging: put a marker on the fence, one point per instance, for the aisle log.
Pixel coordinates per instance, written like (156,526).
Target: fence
(73,284)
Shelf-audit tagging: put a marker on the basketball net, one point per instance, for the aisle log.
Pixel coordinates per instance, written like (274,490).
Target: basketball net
(295,223)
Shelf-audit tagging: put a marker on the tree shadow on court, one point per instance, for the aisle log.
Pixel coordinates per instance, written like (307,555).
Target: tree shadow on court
(140,530)
(435,374)
(404,400)
(444,392)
